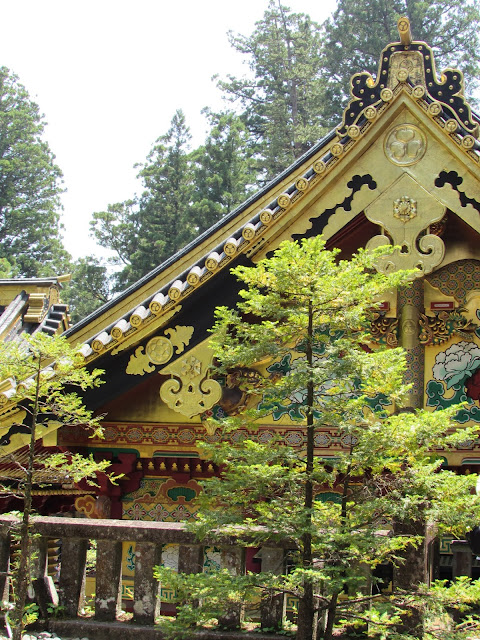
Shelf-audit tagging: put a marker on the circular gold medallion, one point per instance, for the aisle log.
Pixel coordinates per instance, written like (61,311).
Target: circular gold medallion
(159,350)
(301,184)
(336,149)
(434,108)
(386,94)
(266,216)
(405,144)
(283,200)
(418,91)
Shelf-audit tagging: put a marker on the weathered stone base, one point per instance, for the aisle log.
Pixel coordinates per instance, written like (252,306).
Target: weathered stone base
(125,631)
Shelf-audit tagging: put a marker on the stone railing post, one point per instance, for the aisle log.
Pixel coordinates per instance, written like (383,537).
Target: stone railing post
(4,565)
(190,560)
(108,579)
(146,598)
(462,559)
(72,573)
(4,571)
(272,608)
(233,559)
(45,592)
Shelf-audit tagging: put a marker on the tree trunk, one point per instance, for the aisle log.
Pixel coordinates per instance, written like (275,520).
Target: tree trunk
(331,613)
(22,578)
(306,608)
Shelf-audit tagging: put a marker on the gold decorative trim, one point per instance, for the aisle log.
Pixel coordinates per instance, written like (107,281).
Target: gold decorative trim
(440,328)
(284,201)
(146,329)
(158,350)
(189,391)
(410,216)
(405,145)
(38,304)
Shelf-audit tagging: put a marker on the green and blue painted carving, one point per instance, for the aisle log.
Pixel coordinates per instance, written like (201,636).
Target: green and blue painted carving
(329,496)
(175,492)
(211,559)
(294,406)
(456,376)
(131,559)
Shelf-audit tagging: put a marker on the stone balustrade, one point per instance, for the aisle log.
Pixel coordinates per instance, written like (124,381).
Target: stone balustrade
(149,539)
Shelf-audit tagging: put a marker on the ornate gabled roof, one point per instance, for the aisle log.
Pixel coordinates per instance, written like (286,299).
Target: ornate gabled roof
(28,305)
(406,69)
(412,63)
(406,137)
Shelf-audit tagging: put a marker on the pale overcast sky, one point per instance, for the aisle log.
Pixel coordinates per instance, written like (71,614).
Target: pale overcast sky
(109,74)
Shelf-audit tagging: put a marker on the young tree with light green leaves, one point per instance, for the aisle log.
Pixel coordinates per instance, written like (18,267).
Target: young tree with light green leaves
(304,316)
(46,377)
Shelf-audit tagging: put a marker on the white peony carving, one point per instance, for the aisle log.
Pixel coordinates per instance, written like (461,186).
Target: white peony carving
(457,363)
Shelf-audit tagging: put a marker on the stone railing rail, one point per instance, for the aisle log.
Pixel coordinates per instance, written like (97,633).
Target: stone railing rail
(149,537)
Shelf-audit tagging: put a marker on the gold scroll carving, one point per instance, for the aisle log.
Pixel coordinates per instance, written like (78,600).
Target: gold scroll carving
(441,327)
(406,211)
(383,330)
(159,350)
(190,391)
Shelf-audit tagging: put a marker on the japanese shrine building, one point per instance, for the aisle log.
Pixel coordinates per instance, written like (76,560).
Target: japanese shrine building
(402,168)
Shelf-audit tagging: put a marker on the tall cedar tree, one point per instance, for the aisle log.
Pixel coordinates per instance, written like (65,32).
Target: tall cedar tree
(223,169)
(145,231)
(30,186)
(359,29)
(44,373)
(184,194)
(297,88)
(283,98)
(303,318)
(88,288)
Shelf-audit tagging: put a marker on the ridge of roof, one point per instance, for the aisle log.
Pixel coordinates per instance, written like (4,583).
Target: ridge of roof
(203,236)
(47,280)
(442,100)
(11,311)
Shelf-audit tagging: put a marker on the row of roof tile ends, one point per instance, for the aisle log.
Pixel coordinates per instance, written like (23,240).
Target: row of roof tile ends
(245,236)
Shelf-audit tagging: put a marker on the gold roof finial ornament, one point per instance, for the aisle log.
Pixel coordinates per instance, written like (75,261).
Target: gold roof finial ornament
(409,66)
(403,26)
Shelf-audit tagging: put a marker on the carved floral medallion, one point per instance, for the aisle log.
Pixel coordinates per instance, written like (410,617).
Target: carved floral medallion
(405,208)
(159,350)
